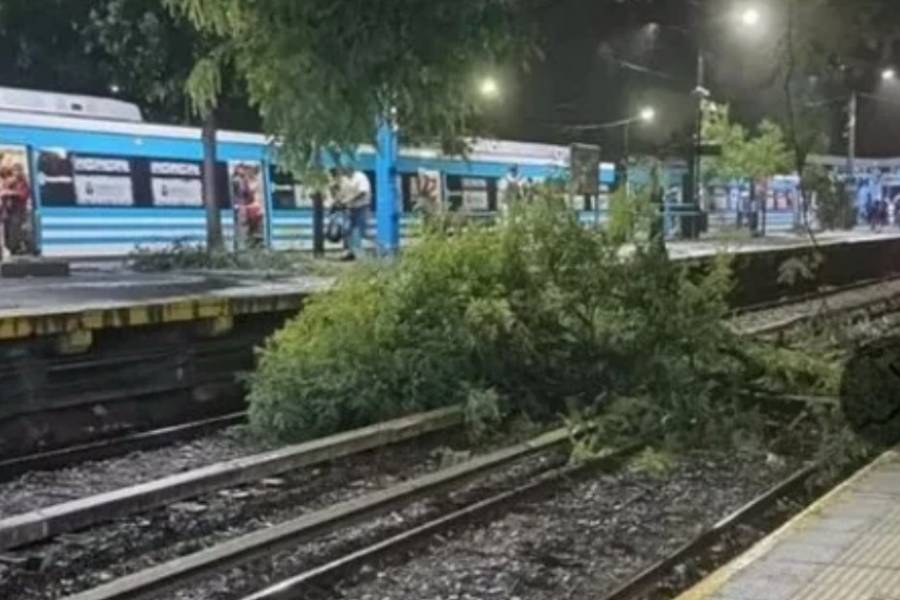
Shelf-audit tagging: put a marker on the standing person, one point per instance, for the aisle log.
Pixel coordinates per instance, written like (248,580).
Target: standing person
(354,195)
(896,202)
(870,212)
(882,213)
(511,189)
(15,195)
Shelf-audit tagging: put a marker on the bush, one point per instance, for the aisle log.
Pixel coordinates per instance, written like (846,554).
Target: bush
(184,256)
(836,208)
(539,312)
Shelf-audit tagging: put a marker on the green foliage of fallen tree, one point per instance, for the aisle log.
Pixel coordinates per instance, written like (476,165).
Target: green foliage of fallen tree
(536,315)
(539,310)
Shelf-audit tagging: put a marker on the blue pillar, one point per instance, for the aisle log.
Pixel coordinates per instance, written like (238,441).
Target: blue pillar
(387,208)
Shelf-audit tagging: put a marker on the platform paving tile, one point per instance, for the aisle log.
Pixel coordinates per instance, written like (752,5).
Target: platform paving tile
(770,580)
(845,547)
(853,583)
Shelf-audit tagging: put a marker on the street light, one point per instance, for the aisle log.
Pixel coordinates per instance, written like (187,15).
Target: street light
(751,17)
(489,88)
(648,114)
(889,74)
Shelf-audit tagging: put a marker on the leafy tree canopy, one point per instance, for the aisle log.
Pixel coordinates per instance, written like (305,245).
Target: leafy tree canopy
(323,72)
(135,49)
(745,155)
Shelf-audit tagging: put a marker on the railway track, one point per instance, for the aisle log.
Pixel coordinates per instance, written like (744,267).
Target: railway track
(419,509)
(873,299)
(317,581)
(116,446)
(518,461)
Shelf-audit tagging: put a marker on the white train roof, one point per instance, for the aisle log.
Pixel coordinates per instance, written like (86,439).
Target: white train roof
(104,115)
(69,105)
(860,163)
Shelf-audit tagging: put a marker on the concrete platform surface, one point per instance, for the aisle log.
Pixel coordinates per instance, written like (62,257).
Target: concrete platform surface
(844,547)
(744,244)
(104,295)
(95,299)
(115,288)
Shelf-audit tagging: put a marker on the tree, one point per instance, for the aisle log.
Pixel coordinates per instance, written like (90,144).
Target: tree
(756,158)
(41,46)
(146,48)
(322,73)
(825,49)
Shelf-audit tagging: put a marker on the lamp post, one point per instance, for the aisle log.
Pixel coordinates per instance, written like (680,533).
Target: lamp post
(888,74)
(749,18)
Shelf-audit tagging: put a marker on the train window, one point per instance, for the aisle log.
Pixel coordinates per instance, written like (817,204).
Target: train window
(223,185)
(102,180)
(173,184)
(55,178)
(287,193)
(454,192)
(475,194)
(406,192)
(493,194)
(68,179)
(374,188)
(284,190)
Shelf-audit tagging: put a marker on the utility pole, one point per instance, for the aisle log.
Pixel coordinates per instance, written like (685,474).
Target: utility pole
(852,115)
(701,94)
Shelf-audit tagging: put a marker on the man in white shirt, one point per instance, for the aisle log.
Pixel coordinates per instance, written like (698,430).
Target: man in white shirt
(511,189)
(354,195)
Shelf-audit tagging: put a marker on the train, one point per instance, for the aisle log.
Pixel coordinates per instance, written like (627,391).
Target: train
(103,182)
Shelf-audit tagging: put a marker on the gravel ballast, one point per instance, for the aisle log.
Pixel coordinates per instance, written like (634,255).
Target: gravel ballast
(837,301)
(582,541)
(40,489)
(75,562)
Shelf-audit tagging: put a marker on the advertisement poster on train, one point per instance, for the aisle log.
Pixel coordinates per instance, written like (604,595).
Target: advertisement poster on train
(176,184)
(101,181)
(427,191)
(15,199)
(475,194)
(248,200)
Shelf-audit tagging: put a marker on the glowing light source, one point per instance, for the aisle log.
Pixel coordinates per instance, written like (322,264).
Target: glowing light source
(489,88)
(751,17)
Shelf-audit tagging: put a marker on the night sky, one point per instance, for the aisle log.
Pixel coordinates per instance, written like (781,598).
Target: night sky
(582,79)
(603,60)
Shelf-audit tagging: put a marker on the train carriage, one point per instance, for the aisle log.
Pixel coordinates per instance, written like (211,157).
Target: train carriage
(103,182)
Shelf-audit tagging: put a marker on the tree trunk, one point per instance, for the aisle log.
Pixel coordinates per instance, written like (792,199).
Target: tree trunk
(214,240)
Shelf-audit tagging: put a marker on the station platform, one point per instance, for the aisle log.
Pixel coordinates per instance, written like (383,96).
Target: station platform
(743,244)
(846,546)
(106,295)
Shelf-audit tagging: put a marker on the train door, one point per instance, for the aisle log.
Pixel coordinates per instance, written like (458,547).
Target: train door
(248,200)
(17,203)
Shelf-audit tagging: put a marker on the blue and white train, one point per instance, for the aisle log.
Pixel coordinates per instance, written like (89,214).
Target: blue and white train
(104,182)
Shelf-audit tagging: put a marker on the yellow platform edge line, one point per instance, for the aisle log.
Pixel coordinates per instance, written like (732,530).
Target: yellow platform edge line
(719,578)
(178,310)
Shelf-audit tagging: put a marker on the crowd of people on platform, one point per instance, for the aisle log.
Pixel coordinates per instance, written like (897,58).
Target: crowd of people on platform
(350,193)
(880,213)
